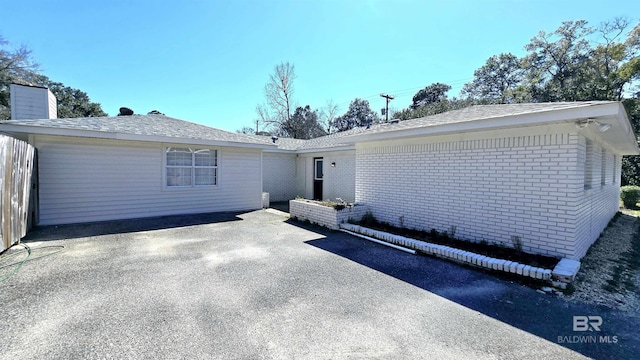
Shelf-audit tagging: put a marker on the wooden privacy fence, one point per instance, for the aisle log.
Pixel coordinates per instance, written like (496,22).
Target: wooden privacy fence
(16,165)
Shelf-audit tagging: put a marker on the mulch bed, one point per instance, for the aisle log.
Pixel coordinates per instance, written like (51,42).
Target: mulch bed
(495,251)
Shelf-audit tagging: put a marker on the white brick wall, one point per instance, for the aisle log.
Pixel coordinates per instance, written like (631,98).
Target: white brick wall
(279,176)
(340,181)
(489,189)
(324,215)
(596,206)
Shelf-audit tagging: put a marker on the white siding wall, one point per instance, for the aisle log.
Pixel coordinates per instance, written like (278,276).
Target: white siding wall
(304,179)
(279,176)
(338,182)
(491,188)
(596,206)
(29,102)
(84,180)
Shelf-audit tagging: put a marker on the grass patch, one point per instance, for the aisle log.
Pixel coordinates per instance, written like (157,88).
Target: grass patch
(634,213)
(448,238)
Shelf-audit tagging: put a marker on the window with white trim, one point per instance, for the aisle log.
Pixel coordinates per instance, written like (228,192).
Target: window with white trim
(191,167)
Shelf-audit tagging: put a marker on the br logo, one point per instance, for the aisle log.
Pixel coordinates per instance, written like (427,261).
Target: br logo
(587,323)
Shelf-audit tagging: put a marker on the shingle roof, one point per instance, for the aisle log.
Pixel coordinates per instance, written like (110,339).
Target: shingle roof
(472,113)
(145,125)
(323,142)
(165,126)
(480,112)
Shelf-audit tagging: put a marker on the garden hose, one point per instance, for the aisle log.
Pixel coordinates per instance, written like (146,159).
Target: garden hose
(18,264)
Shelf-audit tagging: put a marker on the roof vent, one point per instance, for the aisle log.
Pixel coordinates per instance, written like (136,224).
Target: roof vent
(125,111)
(154,112)
(394,121)
(274,138)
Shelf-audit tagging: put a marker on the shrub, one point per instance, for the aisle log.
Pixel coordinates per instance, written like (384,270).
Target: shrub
(517,243)
(368,219)
(630,195)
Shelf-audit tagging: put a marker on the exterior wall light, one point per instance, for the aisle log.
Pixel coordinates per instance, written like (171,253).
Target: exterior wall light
(603,127)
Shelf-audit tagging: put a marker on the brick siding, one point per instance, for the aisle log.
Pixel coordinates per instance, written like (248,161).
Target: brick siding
(324,215)
(531,187)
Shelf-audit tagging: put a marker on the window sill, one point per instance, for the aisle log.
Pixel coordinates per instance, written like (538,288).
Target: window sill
(190,188)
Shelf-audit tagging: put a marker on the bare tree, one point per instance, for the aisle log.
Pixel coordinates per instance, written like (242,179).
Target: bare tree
(246,130)
(278,93)
(327,115)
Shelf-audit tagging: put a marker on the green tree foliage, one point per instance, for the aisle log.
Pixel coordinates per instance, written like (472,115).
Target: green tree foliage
(430,101)
(497,81)
(580,63)
(303,124)
(573,63)
(576,62)
(73,102)
(555,67)
(631,164)
(431,94)
(435,108)
(358,114)
(16,66)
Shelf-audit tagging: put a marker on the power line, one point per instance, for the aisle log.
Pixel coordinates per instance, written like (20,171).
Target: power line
(386,111)
(403,92)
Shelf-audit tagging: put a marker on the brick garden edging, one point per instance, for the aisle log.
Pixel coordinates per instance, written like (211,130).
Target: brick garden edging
(457,255)
(324,215)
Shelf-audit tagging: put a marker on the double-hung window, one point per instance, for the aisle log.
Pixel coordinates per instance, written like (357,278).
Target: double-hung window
(191,167)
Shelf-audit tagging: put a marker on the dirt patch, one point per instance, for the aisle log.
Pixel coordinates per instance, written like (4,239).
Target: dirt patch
(607,274)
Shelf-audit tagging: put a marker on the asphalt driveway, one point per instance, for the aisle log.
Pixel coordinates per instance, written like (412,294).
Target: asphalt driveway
(255,285)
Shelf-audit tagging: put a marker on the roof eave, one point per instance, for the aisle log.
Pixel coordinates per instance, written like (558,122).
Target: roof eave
(326,149)
(631,140)
(130,137)
(283,151)
(502,122)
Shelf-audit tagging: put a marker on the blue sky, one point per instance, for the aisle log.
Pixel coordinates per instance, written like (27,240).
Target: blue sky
(208,61)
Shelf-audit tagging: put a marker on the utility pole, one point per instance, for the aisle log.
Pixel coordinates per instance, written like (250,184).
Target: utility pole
(389,98)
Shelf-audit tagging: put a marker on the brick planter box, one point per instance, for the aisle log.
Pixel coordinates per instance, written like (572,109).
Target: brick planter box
(324,215)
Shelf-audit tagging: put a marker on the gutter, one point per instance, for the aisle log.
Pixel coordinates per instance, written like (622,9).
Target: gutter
(313,150)
(327,149)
